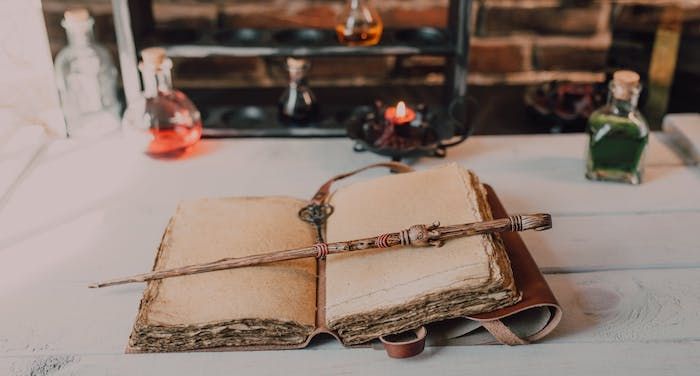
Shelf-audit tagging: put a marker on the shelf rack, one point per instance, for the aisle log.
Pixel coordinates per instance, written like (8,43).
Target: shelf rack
(136,29)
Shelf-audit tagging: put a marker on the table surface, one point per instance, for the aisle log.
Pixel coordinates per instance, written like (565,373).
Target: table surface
(622,260)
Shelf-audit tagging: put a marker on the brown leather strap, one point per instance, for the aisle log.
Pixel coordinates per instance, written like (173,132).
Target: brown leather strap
(503,333)
(399,349)
(325,189)
(408,348)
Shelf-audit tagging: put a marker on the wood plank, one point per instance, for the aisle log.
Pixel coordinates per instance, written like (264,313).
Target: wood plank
(73,179)
(547,359)
(48,308)
(574,244)
(628,306)
(98,211)
(536,173)
(604,242)
(482,150)
(560,188)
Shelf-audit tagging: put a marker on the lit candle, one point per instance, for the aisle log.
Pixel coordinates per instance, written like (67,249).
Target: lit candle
(399,115)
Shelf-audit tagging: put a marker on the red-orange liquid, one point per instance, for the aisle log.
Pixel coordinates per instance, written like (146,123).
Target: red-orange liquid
(172,142)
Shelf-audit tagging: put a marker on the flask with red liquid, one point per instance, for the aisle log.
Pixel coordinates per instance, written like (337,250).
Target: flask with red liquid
(173,122)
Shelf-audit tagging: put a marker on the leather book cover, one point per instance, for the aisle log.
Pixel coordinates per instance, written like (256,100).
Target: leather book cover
(535,314)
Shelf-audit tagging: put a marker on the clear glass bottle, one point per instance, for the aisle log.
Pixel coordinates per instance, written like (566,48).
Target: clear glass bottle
(86,78)
(297,105)
(618,134)
(359,24)
(170,119)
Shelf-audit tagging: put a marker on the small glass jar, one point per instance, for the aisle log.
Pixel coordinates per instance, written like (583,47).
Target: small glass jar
(297,105)
(359,24)
(618,134)
(86,79)
(167,115)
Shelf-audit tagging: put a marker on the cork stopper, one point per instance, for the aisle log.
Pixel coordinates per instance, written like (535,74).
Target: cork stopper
(297,64)
(76,18)
(626,78)
(153,56)
(76,15)
(625,84)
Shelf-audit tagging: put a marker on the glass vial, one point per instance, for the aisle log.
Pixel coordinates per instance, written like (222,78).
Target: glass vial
(297,105)
(618,134)
(359,24)
(170,119)
(86,78)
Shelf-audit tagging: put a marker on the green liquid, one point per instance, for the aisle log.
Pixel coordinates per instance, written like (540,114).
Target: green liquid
(615,148)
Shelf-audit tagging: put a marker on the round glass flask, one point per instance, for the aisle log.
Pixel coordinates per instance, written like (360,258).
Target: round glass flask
(167,115)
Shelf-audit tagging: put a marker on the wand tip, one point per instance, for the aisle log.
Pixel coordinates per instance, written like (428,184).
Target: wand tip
(546,222)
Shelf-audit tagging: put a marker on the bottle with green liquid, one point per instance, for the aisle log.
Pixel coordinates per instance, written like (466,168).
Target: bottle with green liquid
(618,134)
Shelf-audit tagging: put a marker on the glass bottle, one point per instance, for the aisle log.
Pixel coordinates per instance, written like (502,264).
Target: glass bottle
(297,105)
(359,24)
(86,78)
(618,133)
(170,119)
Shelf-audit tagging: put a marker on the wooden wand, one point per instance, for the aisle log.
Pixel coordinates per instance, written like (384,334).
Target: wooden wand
(417,235)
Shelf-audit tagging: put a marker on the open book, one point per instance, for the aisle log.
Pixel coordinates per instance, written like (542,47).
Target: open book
(357,297)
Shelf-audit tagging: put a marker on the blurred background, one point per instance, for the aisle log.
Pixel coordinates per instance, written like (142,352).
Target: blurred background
(531,62)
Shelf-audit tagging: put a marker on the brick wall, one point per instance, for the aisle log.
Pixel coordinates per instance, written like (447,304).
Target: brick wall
(514,41)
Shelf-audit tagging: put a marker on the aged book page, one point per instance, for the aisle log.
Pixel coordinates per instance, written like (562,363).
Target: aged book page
(377,292)
(266,305)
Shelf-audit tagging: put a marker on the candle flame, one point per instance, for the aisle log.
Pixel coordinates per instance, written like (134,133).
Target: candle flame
(401,109)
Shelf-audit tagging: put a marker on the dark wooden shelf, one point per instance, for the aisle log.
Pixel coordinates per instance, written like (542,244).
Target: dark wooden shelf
(295,42)
(262,121)
(252,112)
(248,51)
(136,29)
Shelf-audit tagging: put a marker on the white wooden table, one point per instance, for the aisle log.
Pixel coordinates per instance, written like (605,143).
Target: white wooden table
(622,260)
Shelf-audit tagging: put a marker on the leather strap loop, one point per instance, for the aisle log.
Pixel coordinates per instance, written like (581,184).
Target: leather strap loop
(325,189)
(406,349)
(503,333)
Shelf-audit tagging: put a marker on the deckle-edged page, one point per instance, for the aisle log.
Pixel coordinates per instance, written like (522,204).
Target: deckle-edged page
(370,293)
(273,304)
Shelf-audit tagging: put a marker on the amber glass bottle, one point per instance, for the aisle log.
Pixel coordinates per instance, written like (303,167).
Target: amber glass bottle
(359,24)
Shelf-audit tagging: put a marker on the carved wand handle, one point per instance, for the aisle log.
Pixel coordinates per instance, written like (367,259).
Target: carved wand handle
(416,235)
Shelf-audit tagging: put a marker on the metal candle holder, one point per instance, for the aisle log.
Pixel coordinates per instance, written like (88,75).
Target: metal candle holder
(429,134)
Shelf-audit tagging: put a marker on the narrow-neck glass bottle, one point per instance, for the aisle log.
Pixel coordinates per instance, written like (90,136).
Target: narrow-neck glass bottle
(618,134)
(359,24)
(166,114)
(297,105)
(87,79)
